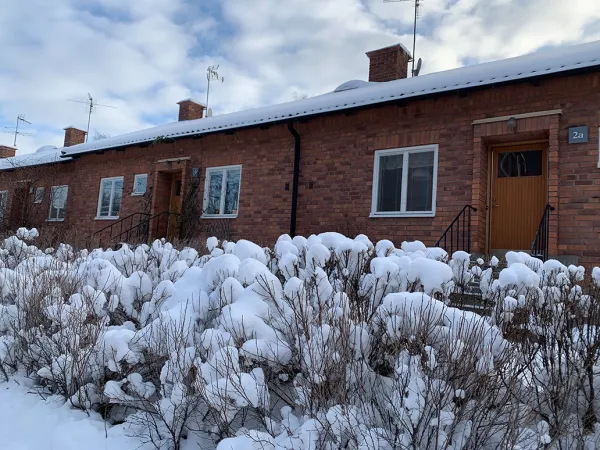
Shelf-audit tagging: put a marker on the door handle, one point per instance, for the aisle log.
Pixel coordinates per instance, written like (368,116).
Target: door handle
(494,205)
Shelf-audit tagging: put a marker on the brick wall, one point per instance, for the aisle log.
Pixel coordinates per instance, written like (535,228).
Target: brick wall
(337,166)
(7,152)
(389,63)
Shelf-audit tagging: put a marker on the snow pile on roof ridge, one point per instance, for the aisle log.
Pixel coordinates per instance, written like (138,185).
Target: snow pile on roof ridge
(535,64)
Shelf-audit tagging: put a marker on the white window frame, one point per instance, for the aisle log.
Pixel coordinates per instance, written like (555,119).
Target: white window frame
(112,193)
(57,219)
(5,210)
(135,178)
(39,200)
(405,151)
(224,170)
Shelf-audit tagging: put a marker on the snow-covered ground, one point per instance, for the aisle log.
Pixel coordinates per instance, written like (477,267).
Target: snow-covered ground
(28,422)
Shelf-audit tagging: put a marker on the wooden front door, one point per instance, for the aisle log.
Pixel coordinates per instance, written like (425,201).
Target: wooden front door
(519,195)
(174,206)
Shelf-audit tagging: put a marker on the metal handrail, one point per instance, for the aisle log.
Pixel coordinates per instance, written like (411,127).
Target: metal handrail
(455,230)
(142,229)
(119,223)
(539,246)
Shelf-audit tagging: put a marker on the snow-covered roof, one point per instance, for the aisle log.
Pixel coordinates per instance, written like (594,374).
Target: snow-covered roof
(549,61)
(44,155)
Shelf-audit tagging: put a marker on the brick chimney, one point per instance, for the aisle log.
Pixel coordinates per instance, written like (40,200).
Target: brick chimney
(7,152)
(389,63)
(190,109)
(74,136)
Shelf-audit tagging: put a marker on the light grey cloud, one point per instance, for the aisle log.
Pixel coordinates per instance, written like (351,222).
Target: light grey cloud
(144,56)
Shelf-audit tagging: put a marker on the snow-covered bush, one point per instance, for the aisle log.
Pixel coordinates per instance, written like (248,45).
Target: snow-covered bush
(323,342)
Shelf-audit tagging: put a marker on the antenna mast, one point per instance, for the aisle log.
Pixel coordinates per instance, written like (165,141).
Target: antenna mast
(90,106)
(15,131)
(212,75)
(417,15)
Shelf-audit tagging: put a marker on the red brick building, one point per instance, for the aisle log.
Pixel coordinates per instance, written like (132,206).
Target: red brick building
(396,158)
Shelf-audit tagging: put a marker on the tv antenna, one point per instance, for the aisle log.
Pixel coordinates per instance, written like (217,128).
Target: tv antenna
(90,107)
(15,130)
(212,75)
(414,72)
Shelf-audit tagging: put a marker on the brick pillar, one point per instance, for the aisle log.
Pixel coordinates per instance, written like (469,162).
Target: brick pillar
(7,152)
(553,176)
(190,110)
(389,63)
(74,136)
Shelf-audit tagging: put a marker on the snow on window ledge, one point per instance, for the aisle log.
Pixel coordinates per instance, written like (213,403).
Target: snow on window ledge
(55,220)
(218,216)
(137,194)
(106,218)
(375,215)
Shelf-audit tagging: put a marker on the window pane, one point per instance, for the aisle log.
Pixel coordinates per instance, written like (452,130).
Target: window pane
(215,183)
(420,181)
(58,201)
(59,197)
(105,198)
(140,183)
(520,164)
(39,195)
(232,191)
(3,203)
(116,201)
(390,183)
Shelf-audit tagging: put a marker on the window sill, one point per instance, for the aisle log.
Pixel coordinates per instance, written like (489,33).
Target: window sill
(218,216)
(55,220)
(137,194)
(397,214)
(106,218)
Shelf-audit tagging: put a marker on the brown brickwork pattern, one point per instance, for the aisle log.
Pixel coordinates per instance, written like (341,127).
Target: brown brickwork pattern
(336,168)
(7,152)
(74,136)
(190,110)
(387,64)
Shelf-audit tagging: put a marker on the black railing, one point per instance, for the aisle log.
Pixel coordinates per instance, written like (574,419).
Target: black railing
(106,234)
(539,247)
(458,235)
(164,224)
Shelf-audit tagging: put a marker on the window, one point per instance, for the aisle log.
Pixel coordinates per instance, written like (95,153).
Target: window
(58,202)
(109,199)
(520,164)
(404,182)
(39,195)
(139,184)
(3,204)
(222,191)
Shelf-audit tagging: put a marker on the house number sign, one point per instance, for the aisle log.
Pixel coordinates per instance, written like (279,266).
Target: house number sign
(578,135)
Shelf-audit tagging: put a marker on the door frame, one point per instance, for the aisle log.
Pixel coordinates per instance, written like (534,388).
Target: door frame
(490,179)
(165,168)
(173,223)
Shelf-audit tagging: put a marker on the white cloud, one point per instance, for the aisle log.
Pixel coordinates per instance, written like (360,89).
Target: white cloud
(144,56)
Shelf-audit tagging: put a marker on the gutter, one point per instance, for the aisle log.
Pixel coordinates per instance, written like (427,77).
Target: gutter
(296,178)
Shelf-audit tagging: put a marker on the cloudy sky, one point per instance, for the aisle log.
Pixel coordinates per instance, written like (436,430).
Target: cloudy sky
(143,56)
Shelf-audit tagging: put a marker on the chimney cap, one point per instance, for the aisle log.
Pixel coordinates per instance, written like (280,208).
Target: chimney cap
(389,47)
(191,100)
(71,127)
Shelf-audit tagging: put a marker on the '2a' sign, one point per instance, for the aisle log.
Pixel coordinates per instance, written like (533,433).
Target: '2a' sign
(578,135)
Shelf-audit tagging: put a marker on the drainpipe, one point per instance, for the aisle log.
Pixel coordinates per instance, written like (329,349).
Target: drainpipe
(295,180)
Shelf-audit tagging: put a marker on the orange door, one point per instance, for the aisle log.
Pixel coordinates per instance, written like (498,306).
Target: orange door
(519,195)
(174,206)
